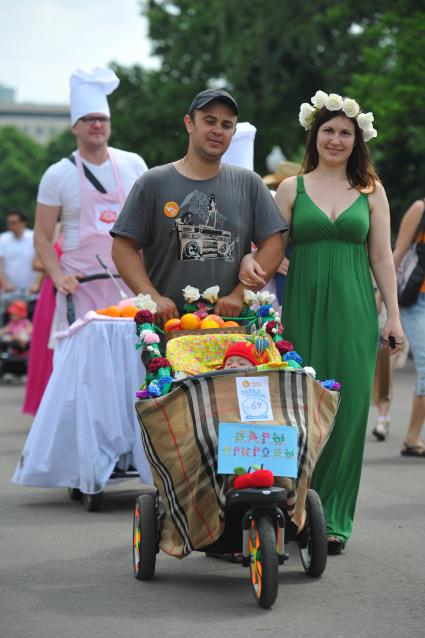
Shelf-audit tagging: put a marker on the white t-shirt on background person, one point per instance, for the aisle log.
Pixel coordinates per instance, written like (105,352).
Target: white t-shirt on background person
(18,254)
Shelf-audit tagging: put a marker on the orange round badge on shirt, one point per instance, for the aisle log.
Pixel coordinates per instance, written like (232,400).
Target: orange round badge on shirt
(171,209)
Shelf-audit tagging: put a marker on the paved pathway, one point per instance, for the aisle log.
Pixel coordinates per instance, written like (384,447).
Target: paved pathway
(67,573)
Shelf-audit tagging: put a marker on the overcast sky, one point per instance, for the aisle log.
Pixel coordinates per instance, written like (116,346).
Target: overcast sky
(43,41)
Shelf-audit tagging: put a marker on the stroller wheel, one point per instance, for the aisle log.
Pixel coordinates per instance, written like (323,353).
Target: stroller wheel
(74,494)
(312,540)
(92,502)
(144,538)
(264,566)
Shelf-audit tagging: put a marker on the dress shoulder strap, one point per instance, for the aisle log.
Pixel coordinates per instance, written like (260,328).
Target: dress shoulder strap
(300,184)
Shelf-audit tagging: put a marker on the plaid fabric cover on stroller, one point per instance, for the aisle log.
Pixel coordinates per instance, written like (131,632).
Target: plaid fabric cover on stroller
(180,436)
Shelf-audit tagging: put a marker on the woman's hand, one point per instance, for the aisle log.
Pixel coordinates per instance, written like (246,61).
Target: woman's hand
(393,329)
(251,275)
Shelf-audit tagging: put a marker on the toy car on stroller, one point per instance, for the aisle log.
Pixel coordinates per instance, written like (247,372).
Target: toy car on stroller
(194,507)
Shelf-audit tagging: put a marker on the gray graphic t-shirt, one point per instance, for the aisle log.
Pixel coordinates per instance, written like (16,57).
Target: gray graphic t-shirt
(195,232)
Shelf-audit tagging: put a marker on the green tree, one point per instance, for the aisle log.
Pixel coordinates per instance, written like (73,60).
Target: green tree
(274,56)
(59,147)
(21,166)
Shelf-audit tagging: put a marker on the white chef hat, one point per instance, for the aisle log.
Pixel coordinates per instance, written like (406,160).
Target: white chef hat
(241,149)
(89,88)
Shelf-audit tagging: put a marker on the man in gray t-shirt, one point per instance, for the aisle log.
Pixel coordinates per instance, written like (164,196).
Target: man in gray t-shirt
(196,218)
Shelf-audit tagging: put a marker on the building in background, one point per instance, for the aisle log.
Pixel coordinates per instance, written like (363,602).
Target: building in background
(42,122)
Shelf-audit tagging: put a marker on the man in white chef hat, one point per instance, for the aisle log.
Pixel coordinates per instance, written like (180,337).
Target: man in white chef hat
(85,192)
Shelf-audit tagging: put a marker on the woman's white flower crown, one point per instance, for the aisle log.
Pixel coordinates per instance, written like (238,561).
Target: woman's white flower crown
(334,102)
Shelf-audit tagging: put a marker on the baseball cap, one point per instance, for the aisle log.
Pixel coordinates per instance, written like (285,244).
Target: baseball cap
(205,97)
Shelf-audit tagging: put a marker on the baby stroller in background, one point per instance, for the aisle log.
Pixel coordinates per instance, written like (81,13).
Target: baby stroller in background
(192,507)
(13,352)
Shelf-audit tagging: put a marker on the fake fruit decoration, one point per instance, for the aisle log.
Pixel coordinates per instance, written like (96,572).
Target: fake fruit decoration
(231,324)
(110,311)
(129,311)
(217,319)
(190,321)
(209,323)
(172,324)
(258,478)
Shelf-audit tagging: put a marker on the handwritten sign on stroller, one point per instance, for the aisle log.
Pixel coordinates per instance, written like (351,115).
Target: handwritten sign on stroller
(254,398)
(247,444)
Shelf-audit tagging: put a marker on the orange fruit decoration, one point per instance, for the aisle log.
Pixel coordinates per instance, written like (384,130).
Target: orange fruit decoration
(230,324)
(208,323)
(129,311)
(110,311)
(172,324)
(216,318)
(189,321)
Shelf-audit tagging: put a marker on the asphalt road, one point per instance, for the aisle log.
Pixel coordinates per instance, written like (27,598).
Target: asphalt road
(67,573)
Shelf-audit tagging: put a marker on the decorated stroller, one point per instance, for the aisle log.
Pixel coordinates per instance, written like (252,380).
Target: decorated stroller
(195,435)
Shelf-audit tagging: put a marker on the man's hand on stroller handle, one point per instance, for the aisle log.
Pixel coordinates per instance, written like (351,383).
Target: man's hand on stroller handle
(67,283)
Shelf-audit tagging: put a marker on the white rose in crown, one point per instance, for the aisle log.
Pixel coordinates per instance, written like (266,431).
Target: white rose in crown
(145,302)
(191,294)
(365,120)
(211,294)
(306,116)
(350,107)
(369,133)
(334,102)
(249,297)
(319,99)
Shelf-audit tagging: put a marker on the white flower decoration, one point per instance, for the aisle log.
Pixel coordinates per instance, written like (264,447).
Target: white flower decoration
(364,120)
(265,298)
(310,371)
(191,294)
(319,99)
(211,294)
(369,133)
(350,107)
(145,302)
(249,297)
(334,102)
(306,116)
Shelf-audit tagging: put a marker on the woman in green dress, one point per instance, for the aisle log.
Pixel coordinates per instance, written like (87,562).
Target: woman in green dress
(340,230)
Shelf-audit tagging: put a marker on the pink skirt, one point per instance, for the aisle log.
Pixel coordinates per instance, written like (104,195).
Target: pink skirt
(40,360)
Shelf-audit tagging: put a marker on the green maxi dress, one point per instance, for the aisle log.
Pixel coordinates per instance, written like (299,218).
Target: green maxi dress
(330,316)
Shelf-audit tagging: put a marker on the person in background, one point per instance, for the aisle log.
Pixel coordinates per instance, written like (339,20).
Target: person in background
(86,191)
(17,331)
(382,388)
(40,357)
(340,231)
(17,254)
(413,320)
(195,218)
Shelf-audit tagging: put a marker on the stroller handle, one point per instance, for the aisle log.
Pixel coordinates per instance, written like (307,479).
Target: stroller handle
(70,308)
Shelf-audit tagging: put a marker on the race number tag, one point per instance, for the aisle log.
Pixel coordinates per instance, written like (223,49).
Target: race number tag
(275,447)
(254,398)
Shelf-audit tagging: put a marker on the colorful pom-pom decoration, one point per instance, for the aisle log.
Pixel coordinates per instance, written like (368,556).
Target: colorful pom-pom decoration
(292,355)
(331,384)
